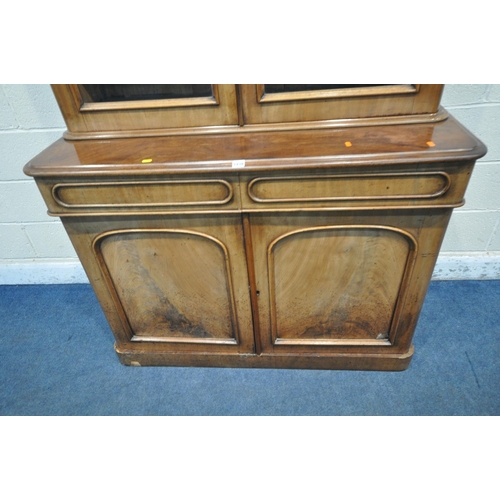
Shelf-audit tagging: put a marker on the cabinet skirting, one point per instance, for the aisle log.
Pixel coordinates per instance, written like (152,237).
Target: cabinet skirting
(137,356)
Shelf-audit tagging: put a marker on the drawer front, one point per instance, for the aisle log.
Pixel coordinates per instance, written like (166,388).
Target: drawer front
(175,195)
(348,188)
(365,190)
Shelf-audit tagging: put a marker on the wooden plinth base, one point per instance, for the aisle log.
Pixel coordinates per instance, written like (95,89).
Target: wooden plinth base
(376,362)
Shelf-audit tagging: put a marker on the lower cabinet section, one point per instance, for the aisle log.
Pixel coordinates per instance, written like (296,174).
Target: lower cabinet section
(294,290)
(261,248)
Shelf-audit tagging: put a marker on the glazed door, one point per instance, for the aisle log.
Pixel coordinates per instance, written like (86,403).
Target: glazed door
(289,103)
(104,95)
(330,281)
(124,110)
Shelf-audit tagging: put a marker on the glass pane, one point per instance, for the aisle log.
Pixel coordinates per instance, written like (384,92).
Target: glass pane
(142,92)
(275,88)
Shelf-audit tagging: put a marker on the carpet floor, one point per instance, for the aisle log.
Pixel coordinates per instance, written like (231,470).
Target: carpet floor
(57,358)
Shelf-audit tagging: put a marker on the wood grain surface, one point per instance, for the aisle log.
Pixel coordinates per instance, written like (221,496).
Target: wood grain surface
(369,146)
(171,283)
(336,283)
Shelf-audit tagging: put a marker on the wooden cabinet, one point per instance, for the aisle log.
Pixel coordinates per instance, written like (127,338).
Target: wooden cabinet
(98,111)
(289,247)
(127,110)
(318,105)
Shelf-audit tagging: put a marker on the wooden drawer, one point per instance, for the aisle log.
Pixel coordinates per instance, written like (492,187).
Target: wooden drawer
(159,195)
(360,189)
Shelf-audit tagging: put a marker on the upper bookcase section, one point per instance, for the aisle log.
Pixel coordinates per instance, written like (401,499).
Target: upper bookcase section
(99,111)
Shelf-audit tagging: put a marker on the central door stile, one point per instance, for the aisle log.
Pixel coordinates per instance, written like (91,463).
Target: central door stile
(247,236)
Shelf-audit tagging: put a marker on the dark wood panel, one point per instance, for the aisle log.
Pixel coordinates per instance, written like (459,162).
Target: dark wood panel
(171,283)
(337,285)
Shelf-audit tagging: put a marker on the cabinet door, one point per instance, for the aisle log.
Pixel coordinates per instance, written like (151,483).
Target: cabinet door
(328,281)
(289,103)
(123,110)
(177,282)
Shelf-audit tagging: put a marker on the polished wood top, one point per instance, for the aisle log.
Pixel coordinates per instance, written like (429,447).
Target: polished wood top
(344,147)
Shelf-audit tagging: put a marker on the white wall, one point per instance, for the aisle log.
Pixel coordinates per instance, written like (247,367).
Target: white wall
(471,248)
(35,249)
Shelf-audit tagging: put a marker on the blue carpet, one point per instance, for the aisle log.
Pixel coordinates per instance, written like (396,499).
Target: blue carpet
(57,358)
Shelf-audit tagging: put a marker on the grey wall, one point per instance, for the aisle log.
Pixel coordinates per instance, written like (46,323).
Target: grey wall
(34,247)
